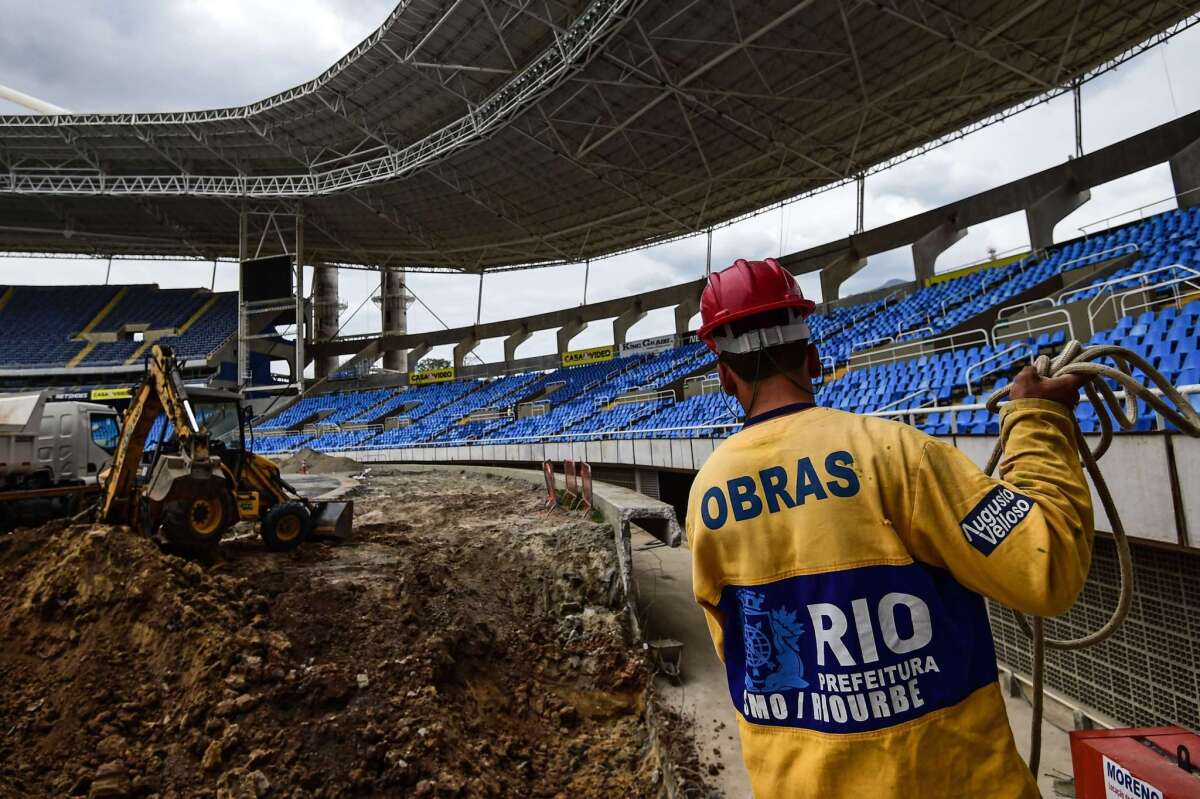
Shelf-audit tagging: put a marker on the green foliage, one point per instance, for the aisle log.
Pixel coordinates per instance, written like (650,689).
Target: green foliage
(429,364)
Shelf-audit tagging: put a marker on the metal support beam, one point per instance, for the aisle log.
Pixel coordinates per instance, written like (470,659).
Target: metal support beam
(479,299)
(243,351)
(301,328)
(927,248)
(860,206)
(1077,94)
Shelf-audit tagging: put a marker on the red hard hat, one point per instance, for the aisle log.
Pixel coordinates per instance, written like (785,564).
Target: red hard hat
(745,289)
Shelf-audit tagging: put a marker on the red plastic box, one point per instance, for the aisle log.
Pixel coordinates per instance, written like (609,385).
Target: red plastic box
(1145,763)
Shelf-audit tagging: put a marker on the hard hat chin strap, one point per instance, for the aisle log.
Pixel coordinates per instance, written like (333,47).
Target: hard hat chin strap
(762,338)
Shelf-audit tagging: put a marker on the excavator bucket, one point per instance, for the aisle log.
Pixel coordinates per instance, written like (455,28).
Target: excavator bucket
(334,519)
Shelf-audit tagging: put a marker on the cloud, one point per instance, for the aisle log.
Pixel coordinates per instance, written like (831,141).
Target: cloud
(170,55)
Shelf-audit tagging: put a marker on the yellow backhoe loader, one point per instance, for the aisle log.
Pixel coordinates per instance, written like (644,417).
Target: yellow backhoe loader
(202,478)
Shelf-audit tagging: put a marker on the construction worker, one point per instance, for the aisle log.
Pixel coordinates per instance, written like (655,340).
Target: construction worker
(842,561)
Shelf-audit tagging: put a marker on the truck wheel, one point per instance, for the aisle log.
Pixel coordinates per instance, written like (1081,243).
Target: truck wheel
(197,525)
(286,526)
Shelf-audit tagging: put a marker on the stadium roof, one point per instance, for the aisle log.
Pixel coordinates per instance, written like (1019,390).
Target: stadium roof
(471,134)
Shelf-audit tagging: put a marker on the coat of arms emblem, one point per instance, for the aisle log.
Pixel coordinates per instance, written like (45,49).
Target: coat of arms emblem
(772,642)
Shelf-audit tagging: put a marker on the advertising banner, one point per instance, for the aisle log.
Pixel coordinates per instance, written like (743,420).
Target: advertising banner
(431,376)
(592,355)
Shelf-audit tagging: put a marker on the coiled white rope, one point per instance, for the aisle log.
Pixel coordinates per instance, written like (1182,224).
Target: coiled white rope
(1075,360)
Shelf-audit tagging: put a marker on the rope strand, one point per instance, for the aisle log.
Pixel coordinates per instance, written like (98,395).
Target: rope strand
(1075,360)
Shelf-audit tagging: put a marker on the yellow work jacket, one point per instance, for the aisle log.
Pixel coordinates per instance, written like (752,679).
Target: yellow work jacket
(842,561)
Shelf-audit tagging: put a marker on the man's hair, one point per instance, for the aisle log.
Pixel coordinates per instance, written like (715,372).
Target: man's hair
(791,358)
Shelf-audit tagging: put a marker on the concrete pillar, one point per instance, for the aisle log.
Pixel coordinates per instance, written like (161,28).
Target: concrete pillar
(512,342)
(684,312)
(1185,175)
(325,315)
(395,319)
(568,332)
(927,248)
(626,320)
(463,348)
(415,355)
(838,272)
(1050,209)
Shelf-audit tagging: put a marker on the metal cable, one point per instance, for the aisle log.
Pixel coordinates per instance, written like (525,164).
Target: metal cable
(1075,360)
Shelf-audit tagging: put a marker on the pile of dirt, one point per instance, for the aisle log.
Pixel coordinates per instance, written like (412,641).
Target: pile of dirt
(461,645)
(318,463)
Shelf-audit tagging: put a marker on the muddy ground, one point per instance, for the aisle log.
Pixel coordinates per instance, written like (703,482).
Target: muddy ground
(464,644)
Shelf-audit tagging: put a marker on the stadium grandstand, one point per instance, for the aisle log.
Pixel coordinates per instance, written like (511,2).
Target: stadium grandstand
(429,147)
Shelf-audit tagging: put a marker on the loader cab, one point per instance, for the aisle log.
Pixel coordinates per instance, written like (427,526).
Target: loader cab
(221,414)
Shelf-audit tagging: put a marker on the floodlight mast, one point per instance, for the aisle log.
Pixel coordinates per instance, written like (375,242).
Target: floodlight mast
(29,101)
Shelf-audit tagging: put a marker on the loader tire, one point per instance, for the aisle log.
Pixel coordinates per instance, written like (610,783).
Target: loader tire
(286,526)
(196,526)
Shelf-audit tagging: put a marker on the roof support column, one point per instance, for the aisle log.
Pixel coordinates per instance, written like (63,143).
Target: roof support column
(325,315)
(243,343)
(625,321)
(684,312)
(569,331)
(394,308)
(927,248)
(1050,209)
(1185,175)
(838,272)
(512,342)
(464,348)
(301,313)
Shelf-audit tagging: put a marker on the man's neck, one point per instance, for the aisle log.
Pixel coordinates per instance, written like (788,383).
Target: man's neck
(777,392)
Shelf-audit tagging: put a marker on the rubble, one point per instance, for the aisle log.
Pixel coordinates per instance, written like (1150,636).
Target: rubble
(430,656)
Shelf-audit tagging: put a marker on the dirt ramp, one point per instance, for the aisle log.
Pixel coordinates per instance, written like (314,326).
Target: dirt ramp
(318,463)
(462,645)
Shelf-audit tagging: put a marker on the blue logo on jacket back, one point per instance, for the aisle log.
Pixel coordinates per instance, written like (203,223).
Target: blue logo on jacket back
(772,642)
(854,650)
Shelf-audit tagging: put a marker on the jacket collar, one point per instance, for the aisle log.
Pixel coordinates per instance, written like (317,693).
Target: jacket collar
(782,410)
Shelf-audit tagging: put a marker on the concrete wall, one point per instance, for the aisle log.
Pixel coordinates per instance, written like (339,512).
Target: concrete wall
(1154,478)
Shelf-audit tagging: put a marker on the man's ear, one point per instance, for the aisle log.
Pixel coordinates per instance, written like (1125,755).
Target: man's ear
(814,362)
(728,381)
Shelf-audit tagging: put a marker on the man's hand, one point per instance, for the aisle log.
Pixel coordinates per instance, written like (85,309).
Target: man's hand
(1063,389)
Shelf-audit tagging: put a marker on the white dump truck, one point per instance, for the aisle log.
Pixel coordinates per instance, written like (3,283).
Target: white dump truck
(50,455)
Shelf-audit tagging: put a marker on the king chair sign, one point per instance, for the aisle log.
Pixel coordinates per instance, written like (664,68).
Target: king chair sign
(431,376)
(593,355)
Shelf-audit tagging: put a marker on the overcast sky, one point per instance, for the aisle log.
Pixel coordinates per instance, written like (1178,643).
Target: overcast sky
(160,55)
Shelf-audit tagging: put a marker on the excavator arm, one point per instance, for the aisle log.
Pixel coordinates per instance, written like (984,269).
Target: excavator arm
(161,391)
(186,493)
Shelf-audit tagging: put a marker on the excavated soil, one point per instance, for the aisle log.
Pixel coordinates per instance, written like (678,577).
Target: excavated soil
(318,463)
(463,644)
